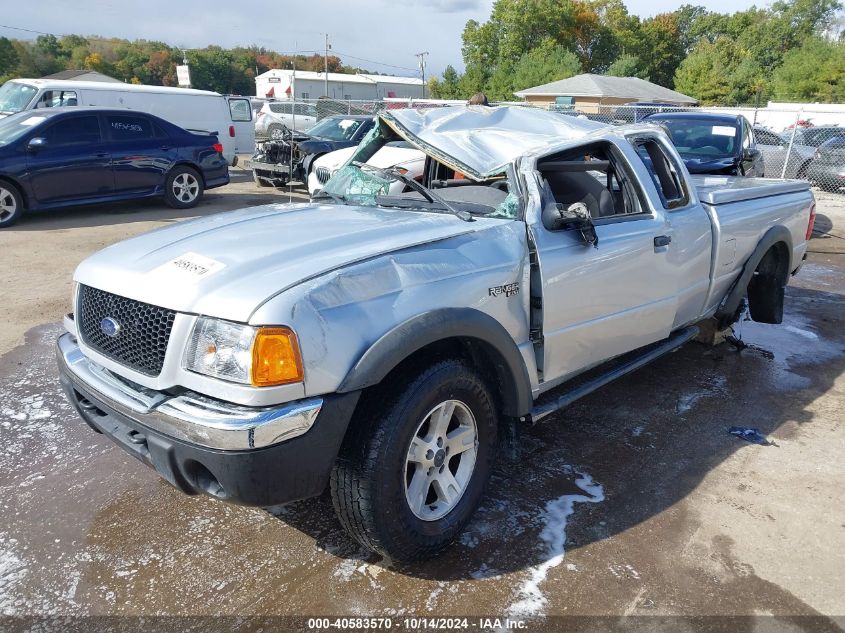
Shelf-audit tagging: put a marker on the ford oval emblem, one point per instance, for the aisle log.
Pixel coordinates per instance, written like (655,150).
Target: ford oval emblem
(110,327)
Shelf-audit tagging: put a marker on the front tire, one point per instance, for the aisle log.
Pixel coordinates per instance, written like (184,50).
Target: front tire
(413,468)
(183,189)
(11,204)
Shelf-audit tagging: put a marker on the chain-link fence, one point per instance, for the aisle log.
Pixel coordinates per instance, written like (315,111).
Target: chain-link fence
(777,141)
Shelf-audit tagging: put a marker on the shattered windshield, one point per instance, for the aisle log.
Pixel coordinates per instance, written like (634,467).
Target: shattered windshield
(370,186)
(336,129)
(14,97)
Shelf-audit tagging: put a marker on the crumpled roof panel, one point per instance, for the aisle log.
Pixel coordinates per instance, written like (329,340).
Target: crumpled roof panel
(481,141)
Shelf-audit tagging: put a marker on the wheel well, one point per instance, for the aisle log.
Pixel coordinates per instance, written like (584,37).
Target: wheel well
(186,163)
(479,355)
(18,187)
(775,262)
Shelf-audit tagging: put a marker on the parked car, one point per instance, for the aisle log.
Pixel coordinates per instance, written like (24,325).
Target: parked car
(388,345)
(229,117)
(815,136)
(275,118)
(775,149)
(67,156)
(290,157)
(827,170)
(712,143)
(397,154)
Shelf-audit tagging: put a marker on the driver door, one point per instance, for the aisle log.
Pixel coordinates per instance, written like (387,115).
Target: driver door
(605,301)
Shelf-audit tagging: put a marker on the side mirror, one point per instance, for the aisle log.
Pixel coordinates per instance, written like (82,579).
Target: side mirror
(36,143)
(751,153)
(577,216)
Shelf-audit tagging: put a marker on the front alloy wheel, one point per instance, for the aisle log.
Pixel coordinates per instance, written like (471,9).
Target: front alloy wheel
(441,460)
(416,459)
(11,205)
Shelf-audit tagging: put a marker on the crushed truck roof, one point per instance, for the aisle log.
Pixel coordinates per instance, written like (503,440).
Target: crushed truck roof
(481,141)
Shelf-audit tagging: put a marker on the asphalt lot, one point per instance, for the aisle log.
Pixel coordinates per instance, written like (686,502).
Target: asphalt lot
(634,501)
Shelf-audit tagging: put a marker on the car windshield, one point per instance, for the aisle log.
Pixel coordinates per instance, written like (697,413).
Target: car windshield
(14,97)
(696,138)
(336,129)
(14,126)
(369,186)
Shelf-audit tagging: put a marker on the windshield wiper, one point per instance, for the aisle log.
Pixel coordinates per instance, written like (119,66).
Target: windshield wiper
(322,194)
(427,193)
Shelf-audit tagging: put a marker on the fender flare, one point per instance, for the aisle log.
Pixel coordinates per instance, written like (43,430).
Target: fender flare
(437,325)
(774,235)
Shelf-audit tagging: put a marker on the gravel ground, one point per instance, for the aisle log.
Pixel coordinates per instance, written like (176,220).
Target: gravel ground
(634,501)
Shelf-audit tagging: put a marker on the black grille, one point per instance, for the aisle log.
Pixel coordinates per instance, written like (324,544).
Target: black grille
(323,174)
(142,333)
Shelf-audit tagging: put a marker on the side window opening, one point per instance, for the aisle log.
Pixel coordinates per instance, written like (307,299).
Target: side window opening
(664,173)
(129,128)
(239,110)
(593,175)
(84,130)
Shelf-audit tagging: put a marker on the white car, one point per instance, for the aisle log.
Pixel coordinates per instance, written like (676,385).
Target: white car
(396,154)
(275,117)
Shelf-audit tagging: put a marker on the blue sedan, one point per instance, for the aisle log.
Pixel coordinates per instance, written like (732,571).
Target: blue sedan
(62,157)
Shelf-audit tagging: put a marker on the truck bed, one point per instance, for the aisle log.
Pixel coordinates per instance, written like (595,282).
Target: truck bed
(741,210)
(717,190)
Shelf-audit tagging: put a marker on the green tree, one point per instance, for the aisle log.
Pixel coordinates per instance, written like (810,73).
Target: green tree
(661,48)
(628,66)
(8,59)
(815,71)
(544,64)
(722,72)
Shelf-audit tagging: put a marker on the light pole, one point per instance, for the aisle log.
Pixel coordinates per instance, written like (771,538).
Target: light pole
(326,58)
(421,57)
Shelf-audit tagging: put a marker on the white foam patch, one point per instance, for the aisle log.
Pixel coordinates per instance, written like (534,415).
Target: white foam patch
(801,332)
(12,572)
(530,598)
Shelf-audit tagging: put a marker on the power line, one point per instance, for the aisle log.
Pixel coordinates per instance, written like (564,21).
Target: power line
(17,28)
(371,61)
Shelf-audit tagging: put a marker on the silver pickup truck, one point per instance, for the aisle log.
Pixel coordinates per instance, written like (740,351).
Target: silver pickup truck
(390,345)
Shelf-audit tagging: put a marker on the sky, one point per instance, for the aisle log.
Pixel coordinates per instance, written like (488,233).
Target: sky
(385,33)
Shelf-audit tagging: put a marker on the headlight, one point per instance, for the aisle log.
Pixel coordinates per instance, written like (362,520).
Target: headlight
(259,356)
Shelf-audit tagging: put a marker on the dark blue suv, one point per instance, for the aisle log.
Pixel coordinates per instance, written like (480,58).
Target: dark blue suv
(60,157)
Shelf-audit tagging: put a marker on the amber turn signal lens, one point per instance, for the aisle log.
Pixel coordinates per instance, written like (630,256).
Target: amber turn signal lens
(275,357)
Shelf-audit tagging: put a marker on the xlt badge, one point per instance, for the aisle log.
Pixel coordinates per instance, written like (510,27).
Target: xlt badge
(508,290)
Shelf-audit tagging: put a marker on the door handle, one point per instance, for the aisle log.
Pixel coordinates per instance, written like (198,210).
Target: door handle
(102,155)
(662,240)
(164,148)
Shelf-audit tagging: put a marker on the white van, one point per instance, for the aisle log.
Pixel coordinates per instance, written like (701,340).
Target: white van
(200,110)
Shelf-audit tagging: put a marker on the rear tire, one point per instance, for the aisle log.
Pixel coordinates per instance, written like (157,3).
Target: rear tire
(413,468)
(183,188)
(11,204)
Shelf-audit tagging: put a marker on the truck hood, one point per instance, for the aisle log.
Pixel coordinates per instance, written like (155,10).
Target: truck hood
(229,264)
(481,141)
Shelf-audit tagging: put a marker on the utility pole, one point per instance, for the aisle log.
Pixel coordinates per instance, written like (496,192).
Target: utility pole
(421,57)
(326,58)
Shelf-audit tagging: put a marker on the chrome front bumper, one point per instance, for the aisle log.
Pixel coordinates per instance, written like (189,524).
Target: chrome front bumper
(188,417)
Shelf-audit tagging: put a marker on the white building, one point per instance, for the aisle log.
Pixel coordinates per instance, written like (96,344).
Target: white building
(306,84)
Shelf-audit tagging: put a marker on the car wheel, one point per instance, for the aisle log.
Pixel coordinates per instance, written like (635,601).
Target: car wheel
(413,468)
(276,132)
(183,189)
(11,204)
